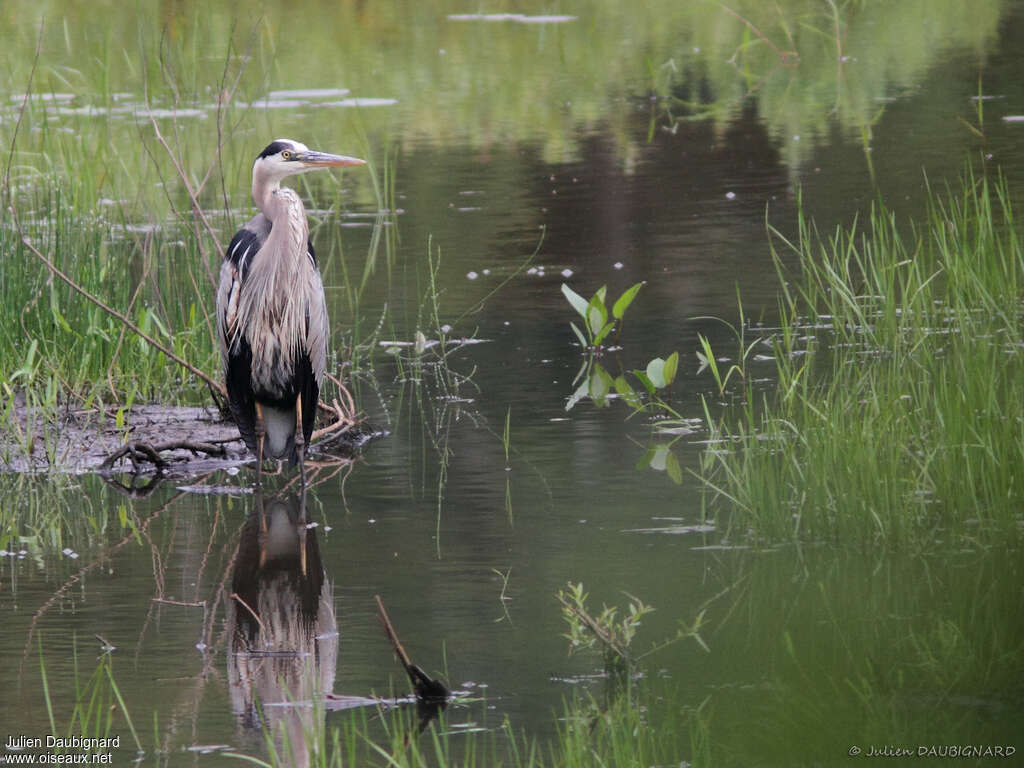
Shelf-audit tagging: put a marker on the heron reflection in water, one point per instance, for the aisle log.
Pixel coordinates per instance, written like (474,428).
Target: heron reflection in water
(282,629)
(271,311)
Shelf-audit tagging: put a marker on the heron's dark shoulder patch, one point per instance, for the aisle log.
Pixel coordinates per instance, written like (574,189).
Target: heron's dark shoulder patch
(243,248)
(310,252)
(274,147)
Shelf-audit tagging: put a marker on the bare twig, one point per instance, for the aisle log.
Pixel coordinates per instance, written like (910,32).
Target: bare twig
(142,451)
(238,598)
(426,688)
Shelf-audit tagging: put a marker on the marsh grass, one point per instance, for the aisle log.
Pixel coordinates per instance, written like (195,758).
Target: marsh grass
(53,338)
(900,402)
(98,704)
(625,731)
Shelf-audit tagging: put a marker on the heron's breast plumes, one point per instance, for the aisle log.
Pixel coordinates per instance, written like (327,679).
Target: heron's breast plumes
(283,292)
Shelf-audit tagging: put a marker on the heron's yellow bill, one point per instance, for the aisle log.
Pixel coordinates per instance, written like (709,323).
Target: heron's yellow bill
(314,159)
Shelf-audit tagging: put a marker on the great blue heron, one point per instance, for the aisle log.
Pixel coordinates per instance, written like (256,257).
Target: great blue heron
(271,312)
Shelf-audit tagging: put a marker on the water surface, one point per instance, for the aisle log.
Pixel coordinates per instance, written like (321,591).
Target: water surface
(541,153)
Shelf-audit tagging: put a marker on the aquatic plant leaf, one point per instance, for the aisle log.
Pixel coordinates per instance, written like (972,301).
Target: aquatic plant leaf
(578,302)
(600,386)
(675,472)
(645,460)
(659,457)
(645,380)
(597,315)
(703,362)
(626,392)
(671,365)
(656,373)
(581,391)
(579,335)
(623,302)
(600,335)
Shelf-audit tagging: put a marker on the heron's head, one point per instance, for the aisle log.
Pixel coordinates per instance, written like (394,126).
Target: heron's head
(285,157)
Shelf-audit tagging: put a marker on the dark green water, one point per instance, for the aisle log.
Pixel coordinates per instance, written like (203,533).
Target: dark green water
(813,650)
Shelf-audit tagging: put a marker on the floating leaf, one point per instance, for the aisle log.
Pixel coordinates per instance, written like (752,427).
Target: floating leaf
(623,302)
(578,302)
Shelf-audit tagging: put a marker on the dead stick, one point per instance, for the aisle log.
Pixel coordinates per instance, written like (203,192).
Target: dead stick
(426,688)
(392,636)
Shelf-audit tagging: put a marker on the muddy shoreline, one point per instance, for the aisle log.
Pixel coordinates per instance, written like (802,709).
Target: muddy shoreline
(177,441)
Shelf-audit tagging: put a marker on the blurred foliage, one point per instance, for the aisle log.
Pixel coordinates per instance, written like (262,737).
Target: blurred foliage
(486,83)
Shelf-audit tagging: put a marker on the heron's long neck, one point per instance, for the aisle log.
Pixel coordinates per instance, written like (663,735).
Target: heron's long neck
(275,308)
(289,231)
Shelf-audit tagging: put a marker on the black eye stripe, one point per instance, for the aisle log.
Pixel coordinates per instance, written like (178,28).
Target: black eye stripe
(274,147)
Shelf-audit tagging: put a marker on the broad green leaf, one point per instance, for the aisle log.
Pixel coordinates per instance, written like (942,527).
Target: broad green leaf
(645,380)
(601,293)
(578,302)
(600,335)
(656,372)
(623,302)
(671,365)
(597,316)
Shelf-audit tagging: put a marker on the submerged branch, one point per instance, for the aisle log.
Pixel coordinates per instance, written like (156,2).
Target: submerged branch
(426,688)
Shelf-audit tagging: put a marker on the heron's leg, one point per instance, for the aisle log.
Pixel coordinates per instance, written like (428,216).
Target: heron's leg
(262,536)
(302,527)
(300,440)
(261,433)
